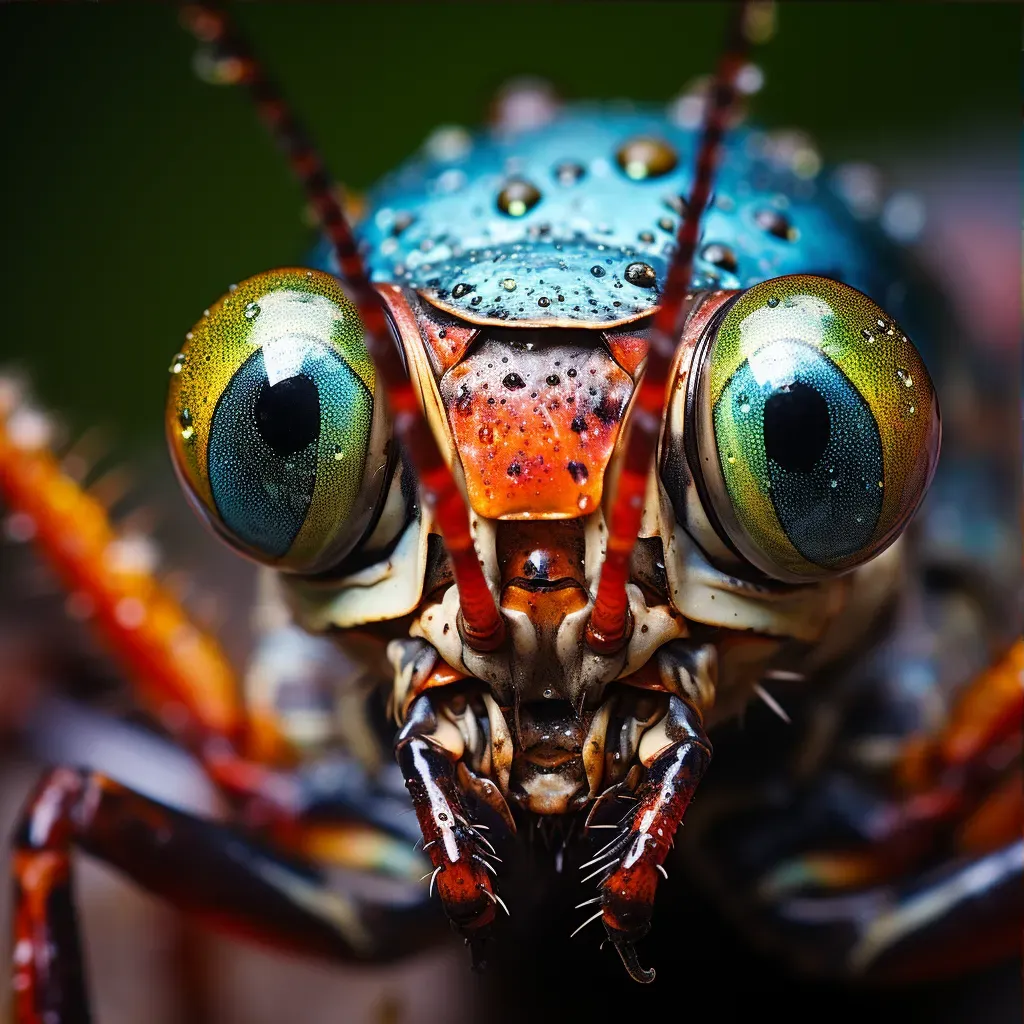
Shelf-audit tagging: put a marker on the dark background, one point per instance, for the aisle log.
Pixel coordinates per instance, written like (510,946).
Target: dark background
(132,194)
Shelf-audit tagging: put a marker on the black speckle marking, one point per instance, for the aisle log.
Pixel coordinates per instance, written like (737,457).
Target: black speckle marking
(578,472)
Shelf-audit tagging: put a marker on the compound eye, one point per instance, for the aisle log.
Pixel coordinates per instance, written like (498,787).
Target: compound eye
(271,420)
(817,425)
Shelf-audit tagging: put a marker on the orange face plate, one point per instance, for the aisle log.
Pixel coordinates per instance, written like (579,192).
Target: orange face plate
(535,415)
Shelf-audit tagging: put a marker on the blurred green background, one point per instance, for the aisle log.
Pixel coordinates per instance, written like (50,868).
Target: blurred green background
(132,193)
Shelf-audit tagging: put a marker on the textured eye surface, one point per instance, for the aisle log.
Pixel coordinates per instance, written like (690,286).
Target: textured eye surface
(270,419)
(817,426)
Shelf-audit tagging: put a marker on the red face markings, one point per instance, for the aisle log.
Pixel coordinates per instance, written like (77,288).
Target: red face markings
(535,423)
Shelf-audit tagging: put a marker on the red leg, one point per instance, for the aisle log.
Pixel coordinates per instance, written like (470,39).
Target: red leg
(632,861)
(428,754)
(208,869)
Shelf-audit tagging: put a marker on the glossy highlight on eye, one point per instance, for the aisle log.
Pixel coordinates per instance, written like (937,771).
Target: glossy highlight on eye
(276,381)
(817,467)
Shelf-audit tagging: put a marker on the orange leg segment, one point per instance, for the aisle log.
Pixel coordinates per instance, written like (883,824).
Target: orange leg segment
(180,673)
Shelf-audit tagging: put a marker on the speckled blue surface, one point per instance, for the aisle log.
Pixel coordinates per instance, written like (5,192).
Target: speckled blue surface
(434,224)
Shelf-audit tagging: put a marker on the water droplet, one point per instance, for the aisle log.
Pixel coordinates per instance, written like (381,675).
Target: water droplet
(721,256)
(553,379)
(569,172)
(216,68)
(904,376)
(903,217)
(646,237)
(509,284)
(514,469)
(730,459)
(234,287)
(451,180)
(549,693)
(339,453)
(776,224)
(185,422)
(518,197)
(513,381)
(448,142)
(744,403)
(486,434)
(544,301)
(177,363)
(910,410)
(833,483)
(667,224)
(646,157)
(773,302)
(461,290)
(251,311)
(750,78)
(598,271)
(677,204)
(641,274)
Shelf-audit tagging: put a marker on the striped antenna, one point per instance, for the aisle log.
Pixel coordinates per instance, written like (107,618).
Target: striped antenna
(234,63)
(610,626)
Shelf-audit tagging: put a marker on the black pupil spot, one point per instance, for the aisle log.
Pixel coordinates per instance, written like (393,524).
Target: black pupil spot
(288,414)
(796,427)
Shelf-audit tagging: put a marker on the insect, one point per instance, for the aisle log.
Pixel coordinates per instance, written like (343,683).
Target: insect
(562,623)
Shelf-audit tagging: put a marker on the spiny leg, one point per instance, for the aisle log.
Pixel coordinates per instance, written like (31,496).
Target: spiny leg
(428,750)
(676,753)
(202,867)
(179,672)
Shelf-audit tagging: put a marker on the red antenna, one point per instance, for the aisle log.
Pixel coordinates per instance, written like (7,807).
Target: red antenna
(482,625)
(609,627)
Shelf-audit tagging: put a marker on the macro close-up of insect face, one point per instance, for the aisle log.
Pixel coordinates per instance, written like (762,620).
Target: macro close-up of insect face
(585,468)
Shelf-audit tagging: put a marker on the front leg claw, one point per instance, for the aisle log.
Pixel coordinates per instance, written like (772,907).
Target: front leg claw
(459,853)
(463,876)
(627,953)
(631,863)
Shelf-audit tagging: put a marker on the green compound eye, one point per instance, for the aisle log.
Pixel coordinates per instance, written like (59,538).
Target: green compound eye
(272,421)
(817,427)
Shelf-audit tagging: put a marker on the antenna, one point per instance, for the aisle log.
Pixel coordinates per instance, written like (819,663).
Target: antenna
(610,626)
(482,625)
